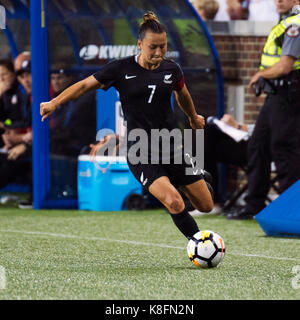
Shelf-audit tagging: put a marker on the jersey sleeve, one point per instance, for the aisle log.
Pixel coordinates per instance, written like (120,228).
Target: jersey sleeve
(108,75)
(291,42)
(179,78)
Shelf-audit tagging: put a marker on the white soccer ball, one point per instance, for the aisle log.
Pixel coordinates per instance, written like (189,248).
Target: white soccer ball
(206,249)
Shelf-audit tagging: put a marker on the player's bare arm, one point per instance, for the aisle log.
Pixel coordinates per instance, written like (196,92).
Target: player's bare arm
(185,102)
(71,93)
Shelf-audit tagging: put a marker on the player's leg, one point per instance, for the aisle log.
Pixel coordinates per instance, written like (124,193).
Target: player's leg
(199,195)
(167,194)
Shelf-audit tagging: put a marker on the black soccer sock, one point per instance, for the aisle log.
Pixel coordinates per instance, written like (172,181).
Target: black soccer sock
(185,223)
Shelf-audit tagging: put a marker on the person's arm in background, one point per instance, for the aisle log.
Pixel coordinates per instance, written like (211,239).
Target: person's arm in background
(229,119)
(13,137)
(283,67)
(16,144)
(15,152)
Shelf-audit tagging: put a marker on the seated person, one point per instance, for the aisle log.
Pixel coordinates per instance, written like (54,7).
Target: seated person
(221,148)
(15,157)
(15,160)
(24,77)
(10,95)
(15,108)
(72,127)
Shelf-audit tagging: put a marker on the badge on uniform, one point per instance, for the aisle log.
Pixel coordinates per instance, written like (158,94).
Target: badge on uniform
(293,31)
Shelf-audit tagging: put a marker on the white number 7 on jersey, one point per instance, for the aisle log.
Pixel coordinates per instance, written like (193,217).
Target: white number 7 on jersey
(153,87)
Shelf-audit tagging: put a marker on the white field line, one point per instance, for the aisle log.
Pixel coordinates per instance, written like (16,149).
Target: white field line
(70,236)
(138,243)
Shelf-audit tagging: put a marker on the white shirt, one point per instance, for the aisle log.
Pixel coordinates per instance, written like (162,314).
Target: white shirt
(222,14)
(259,10)
(263,10)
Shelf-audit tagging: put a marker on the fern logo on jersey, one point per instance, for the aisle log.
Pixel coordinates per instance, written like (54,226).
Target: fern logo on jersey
(167,78)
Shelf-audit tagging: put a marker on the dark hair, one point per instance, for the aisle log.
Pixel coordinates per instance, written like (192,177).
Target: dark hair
(150,23)
(8,64)
(61,67)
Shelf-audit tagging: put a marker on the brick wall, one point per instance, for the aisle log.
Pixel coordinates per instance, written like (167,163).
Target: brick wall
(240,57)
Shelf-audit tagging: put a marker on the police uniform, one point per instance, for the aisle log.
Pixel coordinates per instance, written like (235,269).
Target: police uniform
(276,136)
(146,102)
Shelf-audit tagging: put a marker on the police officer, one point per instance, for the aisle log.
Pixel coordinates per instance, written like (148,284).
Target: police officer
(276,136)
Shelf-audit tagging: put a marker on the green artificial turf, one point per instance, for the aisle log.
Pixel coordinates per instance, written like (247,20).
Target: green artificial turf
(137,255)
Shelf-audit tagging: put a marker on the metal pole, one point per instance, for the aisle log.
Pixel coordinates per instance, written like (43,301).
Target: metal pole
(40,93)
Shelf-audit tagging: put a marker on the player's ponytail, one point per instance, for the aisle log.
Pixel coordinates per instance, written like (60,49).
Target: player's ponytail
(150,23)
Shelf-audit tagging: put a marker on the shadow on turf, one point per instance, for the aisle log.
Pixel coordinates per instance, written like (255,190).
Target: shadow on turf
(282,237)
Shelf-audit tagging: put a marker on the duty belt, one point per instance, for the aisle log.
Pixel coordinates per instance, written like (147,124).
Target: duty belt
(278,83)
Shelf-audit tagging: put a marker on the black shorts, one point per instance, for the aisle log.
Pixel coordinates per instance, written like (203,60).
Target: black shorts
(146,174)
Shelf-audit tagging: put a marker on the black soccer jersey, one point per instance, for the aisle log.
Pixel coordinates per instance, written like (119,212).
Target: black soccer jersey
(145,94)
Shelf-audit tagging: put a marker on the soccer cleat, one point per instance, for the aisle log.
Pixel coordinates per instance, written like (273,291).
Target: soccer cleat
(241,214)
(217,210)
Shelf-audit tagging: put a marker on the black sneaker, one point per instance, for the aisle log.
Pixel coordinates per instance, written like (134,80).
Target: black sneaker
(241,214)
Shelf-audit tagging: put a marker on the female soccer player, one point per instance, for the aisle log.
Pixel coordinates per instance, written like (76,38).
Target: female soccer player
(145,83)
